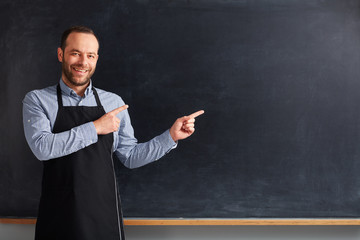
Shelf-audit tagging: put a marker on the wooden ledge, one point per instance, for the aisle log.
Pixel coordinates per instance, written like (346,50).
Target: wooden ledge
(213,222)
(234,222)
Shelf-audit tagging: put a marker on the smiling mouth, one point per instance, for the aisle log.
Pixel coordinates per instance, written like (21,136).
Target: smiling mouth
(80,70)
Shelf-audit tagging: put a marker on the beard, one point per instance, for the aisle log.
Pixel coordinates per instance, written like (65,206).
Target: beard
(75,81)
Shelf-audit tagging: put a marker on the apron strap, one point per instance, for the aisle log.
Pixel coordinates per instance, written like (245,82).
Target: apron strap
(59,97)
(96,97)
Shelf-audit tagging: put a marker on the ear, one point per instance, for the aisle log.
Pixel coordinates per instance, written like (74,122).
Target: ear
(60,54)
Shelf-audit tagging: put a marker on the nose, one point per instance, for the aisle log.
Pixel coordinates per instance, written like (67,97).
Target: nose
(82,59)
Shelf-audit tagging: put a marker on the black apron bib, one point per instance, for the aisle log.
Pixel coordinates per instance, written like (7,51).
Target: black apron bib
(79,198)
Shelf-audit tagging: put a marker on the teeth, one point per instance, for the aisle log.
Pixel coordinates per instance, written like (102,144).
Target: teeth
(80,70)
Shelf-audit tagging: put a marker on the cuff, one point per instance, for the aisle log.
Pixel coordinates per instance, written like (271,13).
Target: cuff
(167,141)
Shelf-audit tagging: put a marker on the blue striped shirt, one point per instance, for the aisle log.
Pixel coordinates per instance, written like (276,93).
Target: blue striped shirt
(40,108)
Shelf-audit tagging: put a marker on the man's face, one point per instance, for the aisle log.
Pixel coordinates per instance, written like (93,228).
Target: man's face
(79,58)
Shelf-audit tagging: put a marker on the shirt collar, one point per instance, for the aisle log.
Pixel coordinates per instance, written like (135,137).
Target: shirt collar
(69,92)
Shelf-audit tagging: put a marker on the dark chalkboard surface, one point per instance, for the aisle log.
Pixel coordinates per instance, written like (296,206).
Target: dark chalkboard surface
(278,79)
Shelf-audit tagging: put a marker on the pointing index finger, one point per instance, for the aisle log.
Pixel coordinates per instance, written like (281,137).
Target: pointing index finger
(119,109)
(196,114)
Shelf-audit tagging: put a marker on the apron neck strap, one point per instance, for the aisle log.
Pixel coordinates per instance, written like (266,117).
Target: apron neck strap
(96,97)
(59,98)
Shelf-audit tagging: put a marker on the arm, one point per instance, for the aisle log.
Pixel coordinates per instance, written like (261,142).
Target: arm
(38,132)
(133,154)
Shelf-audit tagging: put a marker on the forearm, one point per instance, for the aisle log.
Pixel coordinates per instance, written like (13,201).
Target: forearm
(139,154)
(46,145)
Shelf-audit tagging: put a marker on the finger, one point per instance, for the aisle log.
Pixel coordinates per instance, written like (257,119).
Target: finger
(190,125)
(182,120)
(191,120)
(196,114)
(190,130)
(119,109)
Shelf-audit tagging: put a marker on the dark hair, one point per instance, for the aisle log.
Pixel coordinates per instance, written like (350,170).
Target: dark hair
(79,29)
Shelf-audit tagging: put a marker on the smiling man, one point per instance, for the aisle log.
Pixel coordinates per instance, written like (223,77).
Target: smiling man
(74,128)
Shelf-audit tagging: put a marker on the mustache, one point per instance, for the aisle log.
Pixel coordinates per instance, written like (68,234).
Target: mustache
(81,66)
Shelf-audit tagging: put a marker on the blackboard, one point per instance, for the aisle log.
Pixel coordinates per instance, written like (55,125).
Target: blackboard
(278,79)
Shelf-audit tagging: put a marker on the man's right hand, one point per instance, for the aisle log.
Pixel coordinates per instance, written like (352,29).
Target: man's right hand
(109,123)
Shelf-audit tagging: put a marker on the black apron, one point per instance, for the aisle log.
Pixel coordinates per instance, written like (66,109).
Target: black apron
(79,198)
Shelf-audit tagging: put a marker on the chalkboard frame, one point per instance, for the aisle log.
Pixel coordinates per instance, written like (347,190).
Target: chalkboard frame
(217,222)
(142,67)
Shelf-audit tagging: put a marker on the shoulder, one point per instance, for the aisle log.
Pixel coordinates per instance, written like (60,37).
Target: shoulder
(109,100)
(109,96)
(40,95)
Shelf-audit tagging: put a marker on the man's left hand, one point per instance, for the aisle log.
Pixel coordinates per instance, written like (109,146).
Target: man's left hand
(185,126)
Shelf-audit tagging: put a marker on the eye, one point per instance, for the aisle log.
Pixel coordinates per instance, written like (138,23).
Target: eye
(75,54)
(91,56)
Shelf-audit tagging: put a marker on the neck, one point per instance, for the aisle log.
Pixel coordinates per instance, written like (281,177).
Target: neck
(79,90)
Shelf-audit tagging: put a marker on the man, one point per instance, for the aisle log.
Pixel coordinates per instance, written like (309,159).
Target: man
(74,129)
